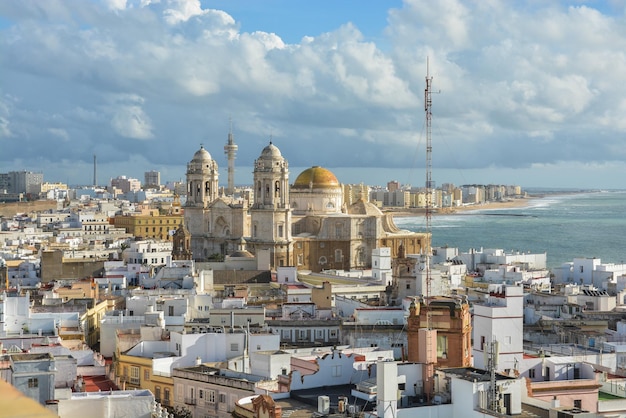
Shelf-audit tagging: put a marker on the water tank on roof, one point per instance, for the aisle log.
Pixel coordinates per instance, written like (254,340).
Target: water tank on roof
(323,405)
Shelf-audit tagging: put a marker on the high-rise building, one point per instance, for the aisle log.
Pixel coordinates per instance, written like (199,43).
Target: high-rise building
(21,182)
(393,185)
(126,184)
(152,180)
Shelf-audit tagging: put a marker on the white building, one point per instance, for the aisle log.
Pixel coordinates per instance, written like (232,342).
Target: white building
(480,260)
(185,350)
(122,403)
(381,264)
(499,318)
(538,279)
(148,252)
(588,271)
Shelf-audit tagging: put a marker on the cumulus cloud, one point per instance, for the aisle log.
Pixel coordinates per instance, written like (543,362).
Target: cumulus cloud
(521,83)
(129,119)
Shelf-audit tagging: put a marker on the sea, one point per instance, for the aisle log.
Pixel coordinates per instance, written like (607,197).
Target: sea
(562,225)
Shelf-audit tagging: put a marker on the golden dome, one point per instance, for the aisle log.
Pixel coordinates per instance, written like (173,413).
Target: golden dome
(316,177)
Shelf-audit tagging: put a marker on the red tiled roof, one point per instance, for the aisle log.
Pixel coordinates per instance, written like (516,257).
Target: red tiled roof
(98,383)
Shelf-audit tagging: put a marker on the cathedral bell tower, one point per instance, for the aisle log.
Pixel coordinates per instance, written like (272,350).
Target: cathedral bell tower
(202,179)
(202,191)
(270,213)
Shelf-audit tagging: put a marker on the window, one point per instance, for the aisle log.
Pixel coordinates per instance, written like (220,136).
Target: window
(157,393)
(408,285)
(33,382)
(531,373)
(338,255)
(336,371)
(222,398)
(234,347)
(277,189)
(166,400)
(338,230)
(280,231)
(134,375)
(302,334)
(578,403)
(146,374)
(401,386)
(333,333)
(442,346)
(201,394)
(210,396)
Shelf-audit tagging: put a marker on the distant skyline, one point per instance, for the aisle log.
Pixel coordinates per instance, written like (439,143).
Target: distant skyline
(530,92)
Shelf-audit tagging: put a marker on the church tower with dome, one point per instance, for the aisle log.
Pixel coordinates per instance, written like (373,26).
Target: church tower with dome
(202,179)
(216,224)
(270,213)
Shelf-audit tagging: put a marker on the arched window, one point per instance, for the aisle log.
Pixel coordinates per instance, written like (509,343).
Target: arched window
(207,187)
(277,189)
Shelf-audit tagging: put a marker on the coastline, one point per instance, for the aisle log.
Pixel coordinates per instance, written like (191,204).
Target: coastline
(466,209)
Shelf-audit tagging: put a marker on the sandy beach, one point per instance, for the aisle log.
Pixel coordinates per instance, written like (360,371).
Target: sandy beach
(467,209)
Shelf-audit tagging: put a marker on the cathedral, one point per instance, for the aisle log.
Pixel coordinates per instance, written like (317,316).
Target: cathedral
(306,224)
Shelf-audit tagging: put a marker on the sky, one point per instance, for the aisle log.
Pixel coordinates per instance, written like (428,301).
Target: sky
(530,92)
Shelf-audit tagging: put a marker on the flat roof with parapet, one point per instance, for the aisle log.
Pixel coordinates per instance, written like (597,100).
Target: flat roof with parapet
(474,375)
(32,356)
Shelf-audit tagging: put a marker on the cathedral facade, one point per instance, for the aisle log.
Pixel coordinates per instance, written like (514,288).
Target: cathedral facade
(306,224)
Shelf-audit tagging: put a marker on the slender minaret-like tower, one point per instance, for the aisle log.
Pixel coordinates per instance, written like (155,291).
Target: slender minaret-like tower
(95,178)
(230,149)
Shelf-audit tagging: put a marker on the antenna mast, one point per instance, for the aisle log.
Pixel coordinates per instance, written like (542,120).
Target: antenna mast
(428,102)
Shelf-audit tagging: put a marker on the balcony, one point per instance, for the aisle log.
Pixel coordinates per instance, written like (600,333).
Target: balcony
(190,401)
